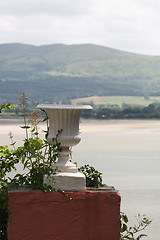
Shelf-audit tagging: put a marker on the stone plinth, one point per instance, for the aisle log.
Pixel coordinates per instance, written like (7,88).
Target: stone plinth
(66,182)
(91,215)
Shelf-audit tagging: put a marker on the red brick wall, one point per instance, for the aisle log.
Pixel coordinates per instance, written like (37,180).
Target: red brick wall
(90,215)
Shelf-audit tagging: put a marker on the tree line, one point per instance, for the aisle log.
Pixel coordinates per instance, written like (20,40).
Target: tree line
(149,112)
(113,112)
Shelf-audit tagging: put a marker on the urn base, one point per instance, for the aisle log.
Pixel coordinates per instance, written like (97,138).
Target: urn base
(66,181)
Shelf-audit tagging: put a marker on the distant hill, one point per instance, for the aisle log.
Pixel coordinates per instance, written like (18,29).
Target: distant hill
(58,72)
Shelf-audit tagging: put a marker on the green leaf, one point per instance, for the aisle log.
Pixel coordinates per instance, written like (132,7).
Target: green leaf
(25,127)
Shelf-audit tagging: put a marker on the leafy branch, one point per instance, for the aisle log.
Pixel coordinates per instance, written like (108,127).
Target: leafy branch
(7,106)
(93,176)
(129,232)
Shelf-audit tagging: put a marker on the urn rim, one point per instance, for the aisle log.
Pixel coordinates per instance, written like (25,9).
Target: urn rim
(63,107)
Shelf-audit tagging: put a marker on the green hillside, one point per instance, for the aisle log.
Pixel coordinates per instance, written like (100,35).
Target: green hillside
(53,73)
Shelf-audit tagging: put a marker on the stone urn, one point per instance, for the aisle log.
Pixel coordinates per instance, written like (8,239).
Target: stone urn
(65,118)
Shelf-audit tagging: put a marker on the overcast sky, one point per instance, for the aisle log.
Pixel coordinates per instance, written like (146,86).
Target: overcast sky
(131,25)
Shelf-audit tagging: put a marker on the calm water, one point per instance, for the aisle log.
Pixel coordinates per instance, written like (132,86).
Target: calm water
(127,152)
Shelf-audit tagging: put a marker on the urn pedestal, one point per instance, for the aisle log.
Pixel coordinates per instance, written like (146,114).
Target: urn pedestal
(65,118)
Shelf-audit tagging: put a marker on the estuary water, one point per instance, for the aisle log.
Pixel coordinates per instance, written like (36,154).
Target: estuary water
(127,152)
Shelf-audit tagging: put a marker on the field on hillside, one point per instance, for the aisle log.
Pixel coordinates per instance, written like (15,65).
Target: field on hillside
(117,100)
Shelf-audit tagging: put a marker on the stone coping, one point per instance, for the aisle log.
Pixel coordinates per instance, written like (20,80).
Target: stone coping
(88,189)
(102,189)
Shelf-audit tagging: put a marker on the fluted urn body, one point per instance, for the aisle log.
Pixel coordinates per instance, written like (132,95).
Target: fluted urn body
(65,118)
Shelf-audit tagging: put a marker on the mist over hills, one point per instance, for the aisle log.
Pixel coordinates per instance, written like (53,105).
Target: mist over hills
(58,72)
